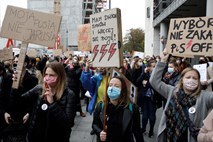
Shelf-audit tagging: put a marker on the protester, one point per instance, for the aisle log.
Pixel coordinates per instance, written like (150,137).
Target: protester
(54,113)
(5,88)
(136,68)
(172,75)
(148,99)
(206,132)
(95,84)
(73,72)
(185,109)
(207,85)
(122,117)
(16,114)
(32,66)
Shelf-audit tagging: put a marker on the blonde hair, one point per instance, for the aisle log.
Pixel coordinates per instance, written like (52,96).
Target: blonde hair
(180,83)
(61,79)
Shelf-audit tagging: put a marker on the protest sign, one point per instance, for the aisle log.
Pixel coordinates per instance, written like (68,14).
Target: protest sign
(210,64)
(30,26)
(202,68)
(6,54)
(57,52)
(84,37)
(131,88)
(68,54)
(190,36)
(106,36)
(31,53)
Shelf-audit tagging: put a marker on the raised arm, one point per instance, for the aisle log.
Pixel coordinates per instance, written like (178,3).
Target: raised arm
(156,78)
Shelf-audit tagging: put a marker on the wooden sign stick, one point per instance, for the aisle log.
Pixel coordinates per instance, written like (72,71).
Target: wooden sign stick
(20,65)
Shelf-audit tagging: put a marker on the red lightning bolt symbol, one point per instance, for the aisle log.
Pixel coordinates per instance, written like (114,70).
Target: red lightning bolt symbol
(189,44)
(95,51)
(103,51)
(111,50)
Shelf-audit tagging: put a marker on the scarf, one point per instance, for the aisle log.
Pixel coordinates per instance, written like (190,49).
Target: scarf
(177,116)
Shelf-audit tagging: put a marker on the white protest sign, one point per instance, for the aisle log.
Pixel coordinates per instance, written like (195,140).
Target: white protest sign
(210,64)
(106,34)
(190,36)
(202,68)
(131,88)
(139,54)
(30,26)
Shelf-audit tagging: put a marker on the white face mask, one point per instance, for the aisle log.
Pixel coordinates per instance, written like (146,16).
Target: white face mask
(190,84)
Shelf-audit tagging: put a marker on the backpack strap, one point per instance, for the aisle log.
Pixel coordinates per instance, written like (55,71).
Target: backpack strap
(131,107)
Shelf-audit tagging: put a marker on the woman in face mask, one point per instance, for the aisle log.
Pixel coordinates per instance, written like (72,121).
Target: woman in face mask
(187,105)
(122,117)
(55,110)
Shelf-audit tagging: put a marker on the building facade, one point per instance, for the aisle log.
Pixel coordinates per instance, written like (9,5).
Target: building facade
(73,12)
(159,13)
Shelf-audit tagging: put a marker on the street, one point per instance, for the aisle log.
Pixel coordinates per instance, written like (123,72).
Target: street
(82,128)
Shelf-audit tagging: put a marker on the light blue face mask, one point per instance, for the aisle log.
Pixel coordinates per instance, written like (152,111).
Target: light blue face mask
(170,70)
(113,92)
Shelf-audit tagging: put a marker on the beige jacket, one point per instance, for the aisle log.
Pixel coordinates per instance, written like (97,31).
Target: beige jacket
(206,132)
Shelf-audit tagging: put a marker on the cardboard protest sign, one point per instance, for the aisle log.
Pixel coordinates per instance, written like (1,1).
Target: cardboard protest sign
(190,36)
(106,36)
(84,37)
(68,53)
(131,88)
(202,68)
(30,26)
(20,65)
(6,54)
(57,52)
(31,53)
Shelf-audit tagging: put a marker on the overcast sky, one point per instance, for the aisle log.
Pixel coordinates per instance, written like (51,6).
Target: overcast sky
(133,11)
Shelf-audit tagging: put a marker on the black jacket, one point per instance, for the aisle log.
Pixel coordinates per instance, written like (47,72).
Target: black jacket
(73,78)
(53,124)
(17,107)
(130,123)
(156,97)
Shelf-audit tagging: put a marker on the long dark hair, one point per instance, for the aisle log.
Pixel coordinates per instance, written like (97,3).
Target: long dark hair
(124,97)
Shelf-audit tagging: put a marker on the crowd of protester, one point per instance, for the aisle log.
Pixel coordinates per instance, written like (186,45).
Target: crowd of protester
(44,106)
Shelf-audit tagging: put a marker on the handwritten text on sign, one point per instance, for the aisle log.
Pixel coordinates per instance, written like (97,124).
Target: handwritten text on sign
(30,26)
(191,36)
(106,41)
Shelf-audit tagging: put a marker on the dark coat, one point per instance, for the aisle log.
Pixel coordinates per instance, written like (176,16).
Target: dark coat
(17,107)
(155,98)
(6,86)
(130,123)
(73,78)
(57,120)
